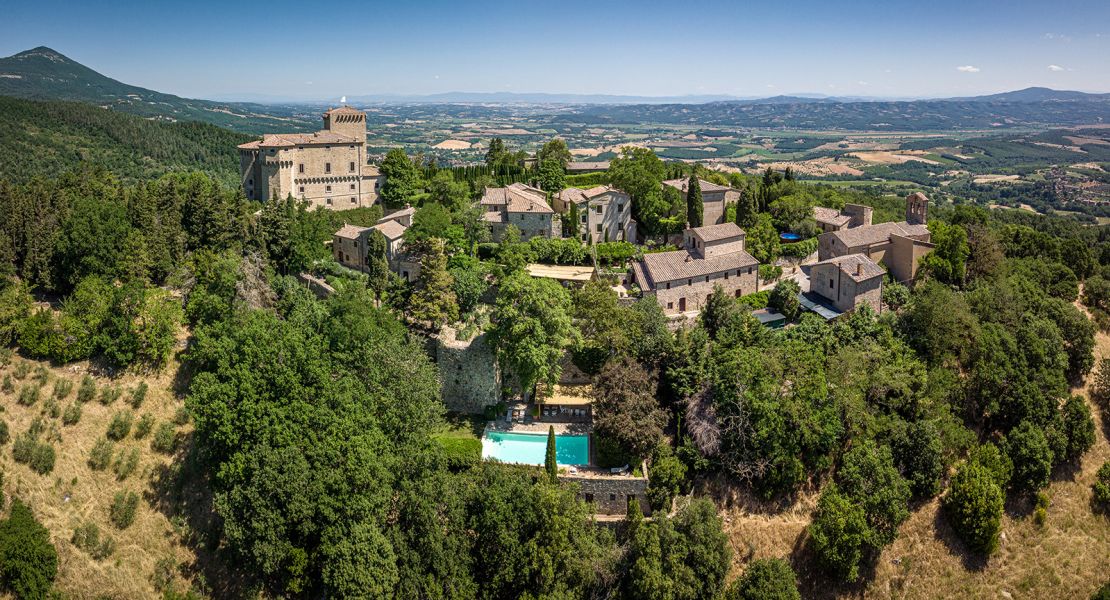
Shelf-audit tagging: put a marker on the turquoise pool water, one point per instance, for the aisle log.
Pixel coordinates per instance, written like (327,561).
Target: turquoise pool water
(531,448)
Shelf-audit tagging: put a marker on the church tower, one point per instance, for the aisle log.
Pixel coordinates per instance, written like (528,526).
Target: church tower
(917,208)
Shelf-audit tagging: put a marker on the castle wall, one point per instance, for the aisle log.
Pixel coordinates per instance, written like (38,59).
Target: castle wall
(698,289)
(469,377)
(610,495)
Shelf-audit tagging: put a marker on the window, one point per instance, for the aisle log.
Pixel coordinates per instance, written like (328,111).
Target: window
(620,208)
(689,282)
(612,497)
(670,305)
(327,167)
(300,168)
(353,200)
(328,200)
(250,182)
(300,147)
(352,166)
(597,209)
(352,187)
(830,283)
(327,188)
(668,285)
(589,497)
(726,274)
(301,189)
(327,147)
(599,227)
(583,217)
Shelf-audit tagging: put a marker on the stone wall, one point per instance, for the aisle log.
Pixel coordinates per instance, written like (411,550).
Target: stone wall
(610,495)
(317,285)
(697,291)
(469,378)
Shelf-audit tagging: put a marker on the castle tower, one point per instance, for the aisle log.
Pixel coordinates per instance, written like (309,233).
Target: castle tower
(917,208)
(346,121)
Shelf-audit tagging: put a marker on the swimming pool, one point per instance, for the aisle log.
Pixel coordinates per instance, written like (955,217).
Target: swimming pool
(790,238)
(531,448)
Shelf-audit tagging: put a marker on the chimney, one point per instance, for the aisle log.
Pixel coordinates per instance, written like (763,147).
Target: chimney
(859,269)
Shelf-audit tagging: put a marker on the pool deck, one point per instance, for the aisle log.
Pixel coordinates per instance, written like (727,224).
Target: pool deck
(539,427)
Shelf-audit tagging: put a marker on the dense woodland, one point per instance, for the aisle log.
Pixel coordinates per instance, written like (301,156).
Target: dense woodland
(314,419)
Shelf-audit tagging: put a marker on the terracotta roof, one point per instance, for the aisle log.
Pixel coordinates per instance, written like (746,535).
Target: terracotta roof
(831,216)
(857,266)
(350,232)
(873,234)
(393,216)
(286,140)
(680,185)
(576,195)
(344,110)
(716,233)
(517,198)
(681,264)
(391,229)
(588,166)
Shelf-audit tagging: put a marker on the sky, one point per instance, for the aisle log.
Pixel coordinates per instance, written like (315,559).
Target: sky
(304,50)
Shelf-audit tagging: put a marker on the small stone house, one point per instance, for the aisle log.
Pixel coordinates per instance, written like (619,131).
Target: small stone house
(351,245)
(522,206)
(714,198)
(604,213)
(898,245)
(853,215)
(848,282)
(682,280)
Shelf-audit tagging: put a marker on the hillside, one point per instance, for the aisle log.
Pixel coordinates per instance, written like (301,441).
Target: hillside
(44,138)
(44,74)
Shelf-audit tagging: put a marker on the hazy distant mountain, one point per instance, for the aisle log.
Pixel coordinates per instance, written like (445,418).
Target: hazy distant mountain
(1037,94)
(533,98)
(45,74)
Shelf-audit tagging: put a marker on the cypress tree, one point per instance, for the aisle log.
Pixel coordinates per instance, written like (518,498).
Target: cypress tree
(745,210)
(549,463)
(693,202)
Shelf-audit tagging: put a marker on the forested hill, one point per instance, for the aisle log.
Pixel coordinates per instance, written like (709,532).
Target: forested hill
(44,74)
(45,138)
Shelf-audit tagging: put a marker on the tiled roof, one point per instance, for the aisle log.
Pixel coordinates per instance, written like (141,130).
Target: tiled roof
(873,234)
(721,231)
(681,264)
(518,198)
(575,195)
(391,229)
(857,266)
(680,185)
(344,110)
(350,232)
(831,216)
(286,140)
(393,216)
(588,166)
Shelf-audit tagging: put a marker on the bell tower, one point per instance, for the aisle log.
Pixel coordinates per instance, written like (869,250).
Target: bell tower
(917,208)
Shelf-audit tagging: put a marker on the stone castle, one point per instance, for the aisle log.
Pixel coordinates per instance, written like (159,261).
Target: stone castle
(327,168)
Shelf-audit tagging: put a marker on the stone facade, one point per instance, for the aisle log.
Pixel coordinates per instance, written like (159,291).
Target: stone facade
(682,281)
(714,198)
(351,245)
(899,245)
(327,168)
(848,282)
(604,213)
(610,494)
(522,206)
(469,377)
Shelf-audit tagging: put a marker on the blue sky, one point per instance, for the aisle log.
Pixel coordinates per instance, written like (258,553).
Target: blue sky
(208,48)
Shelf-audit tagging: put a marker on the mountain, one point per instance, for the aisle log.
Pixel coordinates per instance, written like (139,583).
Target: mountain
(533,98)
(1036,94)
(45,74)
(44,138)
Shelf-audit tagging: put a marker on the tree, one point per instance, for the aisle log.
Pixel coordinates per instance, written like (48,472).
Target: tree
(974,505)
(947,262)
(28,561)
(452,195)
(720,309)
(433,301)
(763,240)
(531,328)
(551,176)
(402,178)
(1101,487)
(746,210)
(1031,456)
(766,579)
(625,408)
(869,479)
(554,150)
(839,533)
(694,204)
(495,152)
(639,172)
(549,462)
(784,299)
(1079,428)
(666,478)
(920,456)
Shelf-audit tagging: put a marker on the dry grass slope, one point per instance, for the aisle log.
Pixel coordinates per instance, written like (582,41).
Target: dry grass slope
(74,493)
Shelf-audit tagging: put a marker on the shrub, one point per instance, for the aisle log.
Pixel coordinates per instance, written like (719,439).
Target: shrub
(1031,456)
(165,438)
(143,427)
(22,369)
(996,462)
(181,416)
(839,532)
(62,388)
(126,464)
(766,579)
(109,395)
(769,273)
(1040,513)
(1100,385)
(50,408)
(1102,486)
(974,507)
(120,425)
(87,390)
(461,453)
(895,295)
(666,478)
(28,561)
(29,395)
(72,414)
(4,434)
(7,387)
(101,454)
(757,300)
(920,456)
(87,538)
(41,375)
(138,395)
(1103,592)
(42,458)
(1079,429)
(122,511)
(24,448)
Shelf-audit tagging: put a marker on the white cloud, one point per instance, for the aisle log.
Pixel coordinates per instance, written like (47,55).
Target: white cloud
(861,82)
(1056,68)
(1057,36)
(968,69)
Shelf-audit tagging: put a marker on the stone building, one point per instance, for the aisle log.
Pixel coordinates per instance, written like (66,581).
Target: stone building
(899,245)
(682,280)
(848,282)
(351,245)
(853,215)
(714,198)
(604,213)
(326,168)
(469,378)
(610,493)
(522,206)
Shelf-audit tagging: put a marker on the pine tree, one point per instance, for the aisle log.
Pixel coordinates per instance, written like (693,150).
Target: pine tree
(434,300)
(549,463)
(745,210)
(694,205)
